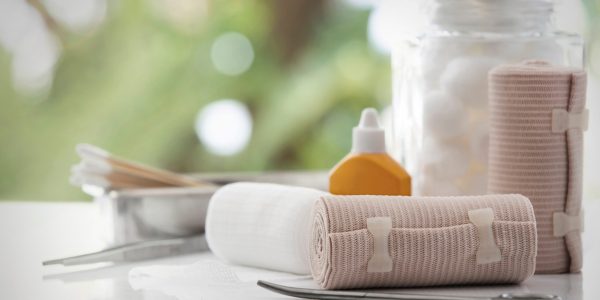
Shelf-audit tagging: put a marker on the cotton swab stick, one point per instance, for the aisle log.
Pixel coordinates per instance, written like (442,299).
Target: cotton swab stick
(108,163)
(98,181)
(85,171)
(99,156)
(98,167)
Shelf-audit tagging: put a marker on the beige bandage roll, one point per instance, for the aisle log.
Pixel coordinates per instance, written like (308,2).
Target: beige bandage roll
(538,115)
(394,241)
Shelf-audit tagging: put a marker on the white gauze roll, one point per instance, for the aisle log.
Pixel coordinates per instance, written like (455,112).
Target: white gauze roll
(262,225)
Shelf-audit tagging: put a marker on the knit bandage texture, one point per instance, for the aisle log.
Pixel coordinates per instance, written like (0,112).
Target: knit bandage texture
(432,241)
(527,158)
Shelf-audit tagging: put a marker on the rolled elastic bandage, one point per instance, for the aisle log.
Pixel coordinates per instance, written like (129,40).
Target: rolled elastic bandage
(537,119)
(393,241)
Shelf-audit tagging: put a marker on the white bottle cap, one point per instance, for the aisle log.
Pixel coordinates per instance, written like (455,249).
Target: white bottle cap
(368,136)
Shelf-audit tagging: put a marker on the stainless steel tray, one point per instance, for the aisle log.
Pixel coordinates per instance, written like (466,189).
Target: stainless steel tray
(134,215)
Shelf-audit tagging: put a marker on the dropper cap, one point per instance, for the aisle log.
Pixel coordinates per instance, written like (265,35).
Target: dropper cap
(368,136)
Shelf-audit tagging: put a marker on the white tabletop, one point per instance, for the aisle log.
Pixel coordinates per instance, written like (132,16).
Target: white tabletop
(33,232)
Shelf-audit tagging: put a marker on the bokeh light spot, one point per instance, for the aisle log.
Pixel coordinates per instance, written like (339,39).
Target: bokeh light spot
(35,51)
(224,127)
(232,53)
(34,60)
(77,15)
(393,20)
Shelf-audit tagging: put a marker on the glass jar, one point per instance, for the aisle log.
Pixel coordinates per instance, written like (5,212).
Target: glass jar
(440,112)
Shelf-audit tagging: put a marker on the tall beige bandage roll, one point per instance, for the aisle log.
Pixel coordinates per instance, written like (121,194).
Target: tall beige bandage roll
(538,115)
(395,241)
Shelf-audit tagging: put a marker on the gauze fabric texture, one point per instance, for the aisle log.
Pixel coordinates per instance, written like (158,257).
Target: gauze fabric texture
(432,241)
(262,225)
(528,158)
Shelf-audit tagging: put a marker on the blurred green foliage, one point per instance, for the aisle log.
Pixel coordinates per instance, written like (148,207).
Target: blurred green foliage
(135,84)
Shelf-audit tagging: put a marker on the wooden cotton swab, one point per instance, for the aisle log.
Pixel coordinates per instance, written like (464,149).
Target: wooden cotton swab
(87,151)
(99,167)
(115,178)
(109,162)
(98,181)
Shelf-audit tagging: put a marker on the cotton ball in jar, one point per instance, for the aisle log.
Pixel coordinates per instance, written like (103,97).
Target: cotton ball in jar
(480,141)
(436,187)
(434,57)
(444,161)
(444,116)
(430,150)
(477,185)
(467,79)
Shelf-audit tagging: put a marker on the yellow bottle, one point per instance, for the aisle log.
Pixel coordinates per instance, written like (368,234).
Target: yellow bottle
(368,169)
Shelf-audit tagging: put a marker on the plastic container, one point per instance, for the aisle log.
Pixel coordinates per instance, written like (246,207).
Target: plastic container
(369,169)
(440,107)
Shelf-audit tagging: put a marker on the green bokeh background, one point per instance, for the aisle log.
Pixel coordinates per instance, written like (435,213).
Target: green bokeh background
(135,84)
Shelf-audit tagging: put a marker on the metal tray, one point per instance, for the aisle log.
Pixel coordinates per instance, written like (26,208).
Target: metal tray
(134,215)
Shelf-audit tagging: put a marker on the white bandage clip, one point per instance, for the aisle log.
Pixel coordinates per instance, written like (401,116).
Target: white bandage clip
(564,223)
(380,228)
(488,251)
(563,120)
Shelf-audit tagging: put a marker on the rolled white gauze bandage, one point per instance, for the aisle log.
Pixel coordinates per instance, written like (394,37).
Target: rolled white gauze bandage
(262,225)
(391,241)
(538,115)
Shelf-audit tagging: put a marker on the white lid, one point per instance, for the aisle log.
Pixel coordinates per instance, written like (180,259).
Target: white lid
(368,136)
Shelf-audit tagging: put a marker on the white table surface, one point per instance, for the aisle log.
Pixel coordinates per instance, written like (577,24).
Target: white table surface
(33,232)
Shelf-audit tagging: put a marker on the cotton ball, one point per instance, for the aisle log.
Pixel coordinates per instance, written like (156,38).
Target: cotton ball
(444,116)
(479,141)
(467,79)
(434,57)
(476,184)
(430,151)
(436,54)
(435,187)
(444,161)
